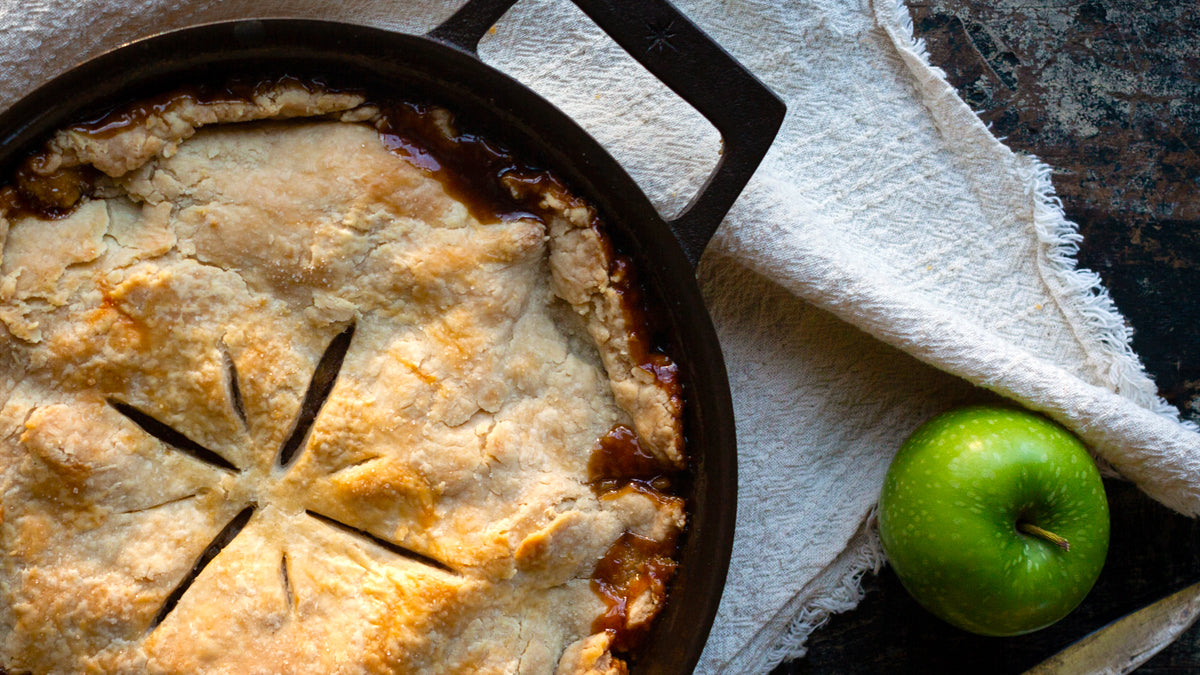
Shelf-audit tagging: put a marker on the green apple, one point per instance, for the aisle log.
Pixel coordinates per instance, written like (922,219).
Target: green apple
(994,519)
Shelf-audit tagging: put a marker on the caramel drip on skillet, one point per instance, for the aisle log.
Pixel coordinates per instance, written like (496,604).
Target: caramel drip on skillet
(50,197)
(633,567)
(618,459)
(132,115)
(472,169)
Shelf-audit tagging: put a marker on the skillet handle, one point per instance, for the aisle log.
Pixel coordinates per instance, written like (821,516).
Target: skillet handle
(467,26)
(743,110)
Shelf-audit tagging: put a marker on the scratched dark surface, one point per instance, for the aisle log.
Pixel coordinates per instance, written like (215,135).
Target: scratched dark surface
(1108,93)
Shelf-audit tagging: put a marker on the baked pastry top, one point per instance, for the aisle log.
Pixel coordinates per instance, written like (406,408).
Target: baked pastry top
(284,396)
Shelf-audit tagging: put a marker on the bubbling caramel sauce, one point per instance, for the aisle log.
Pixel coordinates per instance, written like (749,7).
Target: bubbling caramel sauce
(49,197)
(634,569)
(125,118)
(618,459)
(639,318)
(471,168)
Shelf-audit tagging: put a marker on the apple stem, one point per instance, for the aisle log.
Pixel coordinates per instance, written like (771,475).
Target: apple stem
(1035,531)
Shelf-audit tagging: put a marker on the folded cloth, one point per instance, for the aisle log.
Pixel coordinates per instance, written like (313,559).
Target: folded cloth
(889,260)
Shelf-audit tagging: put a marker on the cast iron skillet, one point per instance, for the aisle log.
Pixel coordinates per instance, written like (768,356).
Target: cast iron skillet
(443,64)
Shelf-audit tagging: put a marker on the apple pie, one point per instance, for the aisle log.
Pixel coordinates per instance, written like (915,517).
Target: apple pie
(299,381)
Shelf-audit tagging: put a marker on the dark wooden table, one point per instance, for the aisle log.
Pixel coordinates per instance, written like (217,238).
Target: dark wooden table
(1107,92)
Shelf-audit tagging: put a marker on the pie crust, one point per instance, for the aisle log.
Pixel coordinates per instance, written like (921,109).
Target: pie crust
(281,396)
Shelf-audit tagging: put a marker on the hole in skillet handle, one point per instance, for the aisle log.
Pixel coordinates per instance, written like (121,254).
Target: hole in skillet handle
(743,110)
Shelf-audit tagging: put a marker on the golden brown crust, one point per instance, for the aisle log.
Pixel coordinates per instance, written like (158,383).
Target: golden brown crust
(591,655)
(437,515)
(159,129)
(575,245)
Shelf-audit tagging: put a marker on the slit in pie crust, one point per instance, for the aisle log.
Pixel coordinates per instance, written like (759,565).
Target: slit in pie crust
(279,396)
